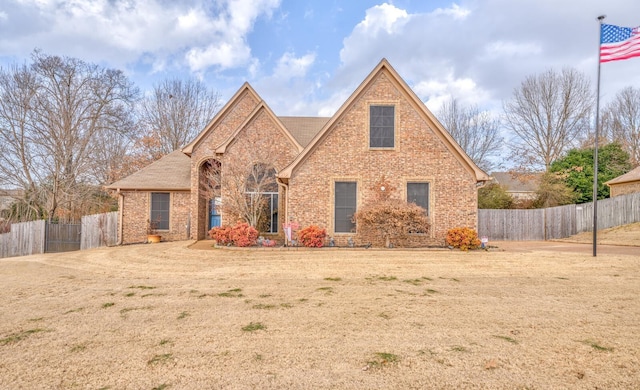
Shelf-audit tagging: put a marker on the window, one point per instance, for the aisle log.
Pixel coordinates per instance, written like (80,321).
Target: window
(418,193)
(345,206)
(160,203)
(262,197)
(381,126)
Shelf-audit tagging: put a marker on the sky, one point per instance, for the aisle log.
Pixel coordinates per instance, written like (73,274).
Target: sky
(305,57)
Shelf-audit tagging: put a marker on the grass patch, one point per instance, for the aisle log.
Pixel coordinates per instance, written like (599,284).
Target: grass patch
(78,310)
(153,295)
(126,310)
(430,291)
(160,359)
(165,342)
(459,348)
(384,315)
(184,314)
(258,357)
(162,386)
(233,293)
(387,278)
(35,319)
(253,326)
(286,305)
(262,306)
(506,338)
(78,348)
(264,295)
(303,300)
(381,359)
(143,287)
(415,282)
(129,294)
(108,304)
(597,346)
(15,337)
(333,279)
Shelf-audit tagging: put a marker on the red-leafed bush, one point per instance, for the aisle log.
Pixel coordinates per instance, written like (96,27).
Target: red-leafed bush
(221,234)
(269,243)
(243,235)
(312,236)
(463,238)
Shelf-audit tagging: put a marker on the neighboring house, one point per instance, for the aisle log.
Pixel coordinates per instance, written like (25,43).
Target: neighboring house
(625,184)
(326,167)
(521,186)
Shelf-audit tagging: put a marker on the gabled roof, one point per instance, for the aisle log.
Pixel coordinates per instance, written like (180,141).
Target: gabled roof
(188,149)
(437,127)
(171,173)
(632,175)
(260,107)
(515,182)
(303,128)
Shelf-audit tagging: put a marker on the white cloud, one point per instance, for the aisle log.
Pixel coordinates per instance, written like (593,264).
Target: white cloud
(3,16)
(505,49)
(289,66)
(198,33)
(384,17)
(456,12)
(434,92)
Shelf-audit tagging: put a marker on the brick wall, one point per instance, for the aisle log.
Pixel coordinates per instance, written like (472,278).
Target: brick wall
(419,155)
(224,128)
(624,188)
(136,211)
(261,141)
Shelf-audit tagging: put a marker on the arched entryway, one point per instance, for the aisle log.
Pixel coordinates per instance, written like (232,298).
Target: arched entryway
(209,196)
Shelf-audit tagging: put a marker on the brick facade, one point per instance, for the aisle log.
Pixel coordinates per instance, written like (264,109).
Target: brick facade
(221,130)
(246,130)
(419,155)
(135,208)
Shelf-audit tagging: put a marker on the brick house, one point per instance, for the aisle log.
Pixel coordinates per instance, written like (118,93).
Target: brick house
(628,183)
(325,167)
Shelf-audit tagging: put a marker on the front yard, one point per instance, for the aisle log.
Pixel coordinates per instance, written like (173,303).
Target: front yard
(164,316)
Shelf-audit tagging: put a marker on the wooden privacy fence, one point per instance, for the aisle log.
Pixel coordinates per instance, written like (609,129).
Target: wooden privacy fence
(29,238)
(99,230)
(25,238)
(557,222)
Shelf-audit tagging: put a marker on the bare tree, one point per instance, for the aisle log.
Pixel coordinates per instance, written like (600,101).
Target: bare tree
(53,116)
(548,114)
(242,181)
(176,112)
(474,130)
(621,121)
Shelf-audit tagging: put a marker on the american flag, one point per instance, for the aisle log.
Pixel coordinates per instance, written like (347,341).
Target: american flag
(619,43)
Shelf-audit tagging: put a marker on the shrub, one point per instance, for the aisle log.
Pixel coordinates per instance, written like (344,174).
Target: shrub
(391,219)
(243,235)
(463,238)
(312,236)
(221,234)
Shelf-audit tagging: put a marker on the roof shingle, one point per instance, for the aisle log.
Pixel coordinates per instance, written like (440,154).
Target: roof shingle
(171,172)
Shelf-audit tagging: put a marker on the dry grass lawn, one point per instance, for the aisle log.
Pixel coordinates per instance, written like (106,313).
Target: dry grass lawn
(164,316)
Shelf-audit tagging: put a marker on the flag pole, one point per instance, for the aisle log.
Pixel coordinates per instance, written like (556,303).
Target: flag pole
(595,148)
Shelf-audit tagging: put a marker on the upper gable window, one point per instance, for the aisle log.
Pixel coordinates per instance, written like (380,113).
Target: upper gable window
(381,126)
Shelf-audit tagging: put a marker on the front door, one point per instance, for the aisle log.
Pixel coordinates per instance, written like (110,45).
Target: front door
(214,213)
